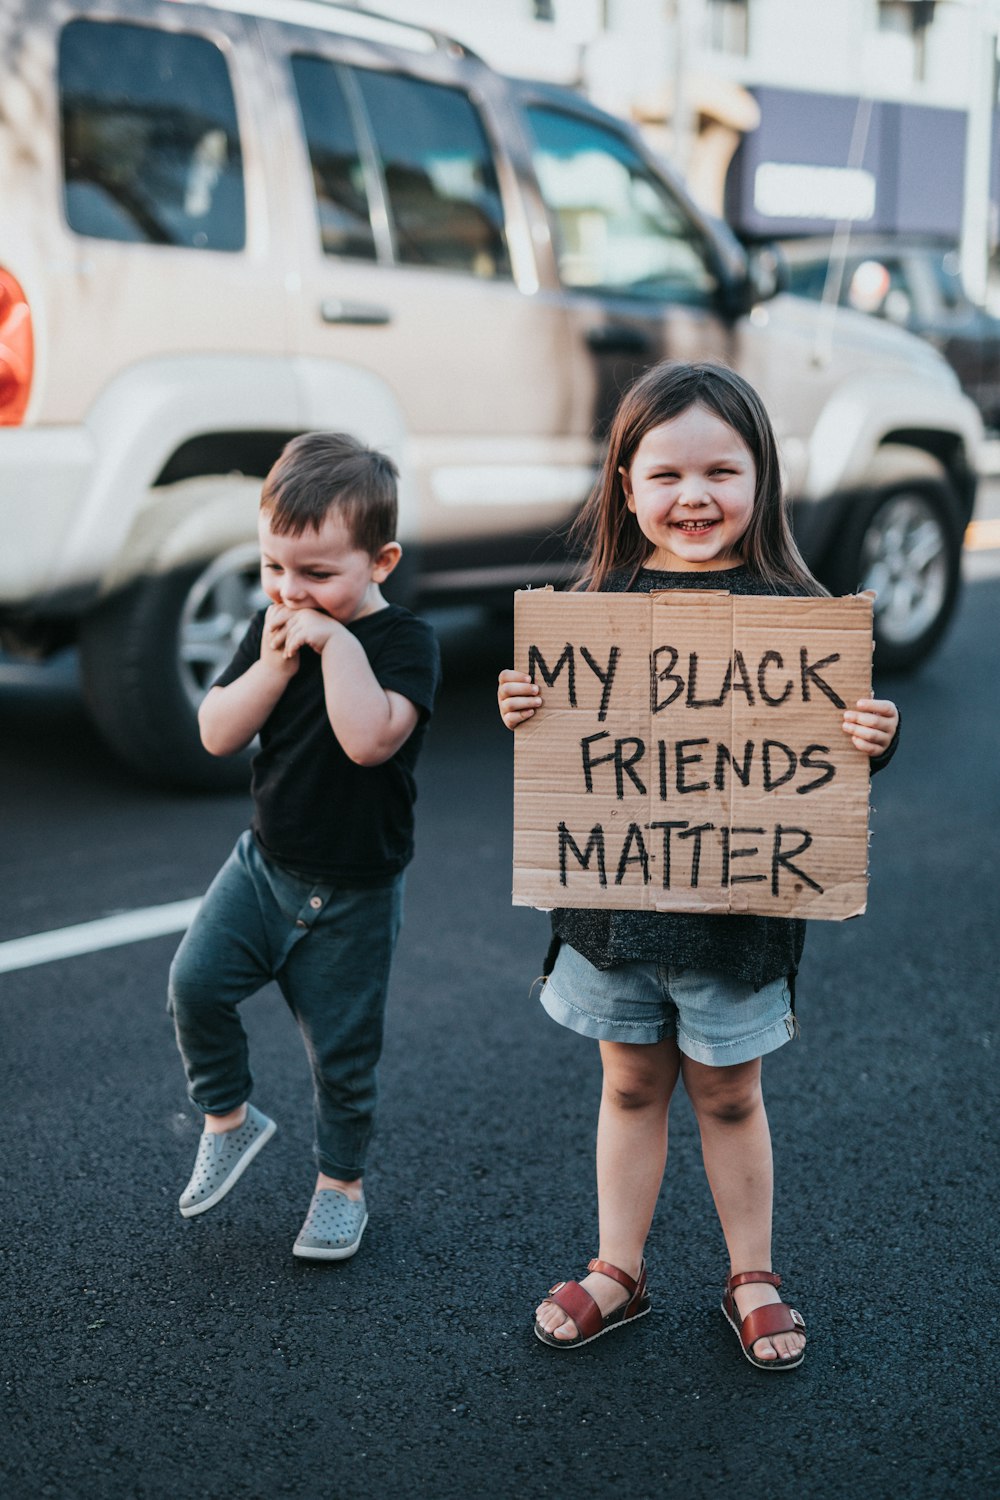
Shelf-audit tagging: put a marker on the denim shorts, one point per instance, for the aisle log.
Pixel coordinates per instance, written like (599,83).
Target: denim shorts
(715,1019)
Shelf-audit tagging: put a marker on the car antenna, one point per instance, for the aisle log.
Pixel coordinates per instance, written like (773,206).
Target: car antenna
(835,266)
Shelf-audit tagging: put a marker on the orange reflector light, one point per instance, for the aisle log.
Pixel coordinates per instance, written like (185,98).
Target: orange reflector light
(17,353)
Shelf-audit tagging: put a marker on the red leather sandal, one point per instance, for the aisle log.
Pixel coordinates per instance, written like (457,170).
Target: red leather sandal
(581,1307)
(764,1322)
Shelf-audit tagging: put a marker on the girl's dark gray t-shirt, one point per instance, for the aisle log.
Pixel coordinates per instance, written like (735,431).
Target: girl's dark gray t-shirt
(750,948)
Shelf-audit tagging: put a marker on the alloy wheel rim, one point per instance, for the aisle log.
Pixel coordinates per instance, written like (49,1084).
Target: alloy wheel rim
(904,558)
(217,609)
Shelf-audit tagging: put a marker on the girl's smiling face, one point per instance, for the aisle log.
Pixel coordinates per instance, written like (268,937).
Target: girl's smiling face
(691,488)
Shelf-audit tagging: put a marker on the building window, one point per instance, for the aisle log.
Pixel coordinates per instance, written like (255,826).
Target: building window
(728,26)
(912,19)
(545,10)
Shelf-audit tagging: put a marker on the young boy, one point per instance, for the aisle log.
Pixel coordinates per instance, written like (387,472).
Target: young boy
(339,684)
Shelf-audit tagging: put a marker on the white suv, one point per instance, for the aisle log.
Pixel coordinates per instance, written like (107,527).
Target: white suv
(223,222)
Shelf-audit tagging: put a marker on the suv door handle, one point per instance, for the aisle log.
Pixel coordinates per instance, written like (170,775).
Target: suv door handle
(338,310)
(617,338)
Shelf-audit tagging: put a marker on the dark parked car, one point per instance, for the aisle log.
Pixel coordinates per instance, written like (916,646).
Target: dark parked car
(916,284)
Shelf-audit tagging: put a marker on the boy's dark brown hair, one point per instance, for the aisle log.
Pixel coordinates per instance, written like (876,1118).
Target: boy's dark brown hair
(608,532)
(323,471)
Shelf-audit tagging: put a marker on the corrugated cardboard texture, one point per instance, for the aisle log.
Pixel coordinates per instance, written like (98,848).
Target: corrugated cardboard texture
(688,755)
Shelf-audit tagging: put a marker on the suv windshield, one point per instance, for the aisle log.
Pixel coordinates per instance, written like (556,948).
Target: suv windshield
(617,228)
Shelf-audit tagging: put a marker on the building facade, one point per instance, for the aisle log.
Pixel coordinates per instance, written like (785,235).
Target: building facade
(787,115)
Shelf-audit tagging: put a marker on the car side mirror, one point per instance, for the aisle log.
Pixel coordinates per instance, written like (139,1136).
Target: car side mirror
(767,272)
(765,275)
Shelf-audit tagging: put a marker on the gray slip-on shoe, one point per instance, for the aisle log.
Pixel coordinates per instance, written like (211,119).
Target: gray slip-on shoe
(333,1227)
(222,1159)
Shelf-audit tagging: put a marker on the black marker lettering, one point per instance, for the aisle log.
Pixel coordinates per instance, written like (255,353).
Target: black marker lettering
(622,765)
(666,847)
(634,836)
(779,858)
(536,659)
(664,674)
(692,700)
(737,679)
(772,778)
(595,844)
(688,760)
(827,767)
(810,673)
(765,661)
(724,754)
(729,854)
(696,833)
(589,761)
(607,678)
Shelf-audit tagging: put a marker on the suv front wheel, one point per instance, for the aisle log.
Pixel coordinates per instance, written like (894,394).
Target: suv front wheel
(151,651)
(905,543)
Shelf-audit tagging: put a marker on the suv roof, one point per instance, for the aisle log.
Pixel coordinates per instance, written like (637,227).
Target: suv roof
(327,15)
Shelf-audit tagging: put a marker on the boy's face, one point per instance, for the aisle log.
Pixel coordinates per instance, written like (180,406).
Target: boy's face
(323,570)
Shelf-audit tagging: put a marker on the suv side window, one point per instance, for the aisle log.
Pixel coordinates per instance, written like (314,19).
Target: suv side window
(342,206)
(151,149)
(440,181)
(617,228)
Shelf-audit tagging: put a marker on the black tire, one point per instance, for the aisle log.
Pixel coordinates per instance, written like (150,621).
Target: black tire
(906,544)
(142,691)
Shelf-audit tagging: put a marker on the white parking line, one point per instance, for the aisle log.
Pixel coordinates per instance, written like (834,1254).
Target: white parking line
(90,937)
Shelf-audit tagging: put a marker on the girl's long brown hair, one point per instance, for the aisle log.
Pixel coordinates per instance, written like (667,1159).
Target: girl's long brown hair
(607,532)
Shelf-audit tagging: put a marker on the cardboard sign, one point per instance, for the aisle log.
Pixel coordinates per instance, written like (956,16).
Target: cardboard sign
(689,754)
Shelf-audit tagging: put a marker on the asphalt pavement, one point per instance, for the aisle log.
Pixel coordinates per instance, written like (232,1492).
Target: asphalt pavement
(148,1357)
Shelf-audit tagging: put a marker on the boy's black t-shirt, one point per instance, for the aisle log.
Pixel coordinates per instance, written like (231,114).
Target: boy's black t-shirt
(316,812)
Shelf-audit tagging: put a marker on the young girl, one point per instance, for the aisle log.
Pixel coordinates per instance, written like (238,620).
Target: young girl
(689,497)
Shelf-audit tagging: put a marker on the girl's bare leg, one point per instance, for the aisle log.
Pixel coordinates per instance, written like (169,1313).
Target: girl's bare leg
(631,1155)
(736,1146)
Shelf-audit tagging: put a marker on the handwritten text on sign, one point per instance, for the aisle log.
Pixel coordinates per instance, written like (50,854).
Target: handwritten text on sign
(689,756)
